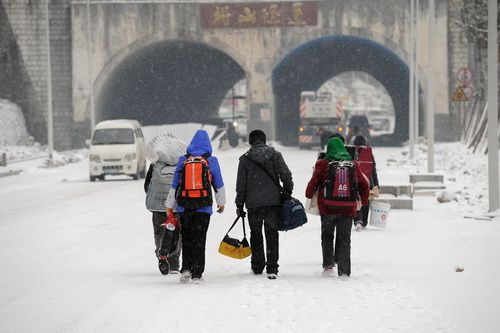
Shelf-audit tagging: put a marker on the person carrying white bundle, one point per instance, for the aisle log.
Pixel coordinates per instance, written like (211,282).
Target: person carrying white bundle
(164,152)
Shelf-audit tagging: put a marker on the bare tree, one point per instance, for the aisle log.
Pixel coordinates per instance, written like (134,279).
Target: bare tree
(474,21)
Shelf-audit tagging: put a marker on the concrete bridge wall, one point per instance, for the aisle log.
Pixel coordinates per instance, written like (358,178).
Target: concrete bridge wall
(121,30)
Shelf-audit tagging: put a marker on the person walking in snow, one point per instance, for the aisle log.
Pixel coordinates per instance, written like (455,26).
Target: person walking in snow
(333,219)
(195,175)
(262,198)
(324,136)
(361,220)
(163,151)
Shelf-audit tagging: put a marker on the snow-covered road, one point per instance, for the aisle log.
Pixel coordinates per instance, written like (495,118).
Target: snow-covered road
(78,256)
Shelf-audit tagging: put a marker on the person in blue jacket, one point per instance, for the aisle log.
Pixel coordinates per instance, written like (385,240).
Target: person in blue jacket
(194,222)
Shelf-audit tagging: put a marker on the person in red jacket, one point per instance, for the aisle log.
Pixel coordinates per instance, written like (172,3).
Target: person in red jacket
(336,218)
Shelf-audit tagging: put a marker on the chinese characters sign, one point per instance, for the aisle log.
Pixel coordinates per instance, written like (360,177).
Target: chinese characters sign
(257,15)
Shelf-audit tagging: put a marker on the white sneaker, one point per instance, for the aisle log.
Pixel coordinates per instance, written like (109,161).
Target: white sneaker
(328,272)
(185,276)
(359,226)
(197,280)
(272,276)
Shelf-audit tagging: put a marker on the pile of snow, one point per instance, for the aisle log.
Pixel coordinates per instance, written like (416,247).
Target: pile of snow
(465,174)
(60,159)
(23,152)
(13,130)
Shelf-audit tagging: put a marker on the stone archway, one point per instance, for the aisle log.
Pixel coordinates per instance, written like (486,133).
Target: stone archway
(168,82)
(310,65)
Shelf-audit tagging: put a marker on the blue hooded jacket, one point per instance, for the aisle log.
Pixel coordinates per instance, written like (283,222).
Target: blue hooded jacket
(201,146)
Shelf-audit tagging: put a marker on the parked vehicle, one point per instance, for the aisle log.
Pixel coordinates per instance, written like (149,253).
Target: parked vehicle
(382,122)
(117,148)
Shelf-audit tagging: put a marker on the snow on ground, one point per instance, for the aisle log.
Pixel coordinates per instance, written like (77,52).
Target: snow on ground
(13,126)
(78,256)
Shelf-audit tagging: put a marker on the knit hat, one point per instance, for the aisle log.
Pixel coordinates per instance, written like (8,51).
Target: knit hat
(256,135)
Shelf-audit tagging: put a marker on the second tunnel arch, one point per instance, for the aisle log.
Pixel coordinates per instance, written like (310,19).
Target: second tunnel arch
(310,65)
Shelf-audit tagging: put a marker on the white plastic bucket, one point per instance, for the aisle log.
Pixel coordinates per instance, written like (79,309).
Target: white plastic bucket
(379,213)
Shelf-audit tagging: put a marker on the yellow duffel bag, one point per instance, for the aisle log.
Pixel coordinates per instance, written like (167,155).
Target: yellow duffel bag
(233,247)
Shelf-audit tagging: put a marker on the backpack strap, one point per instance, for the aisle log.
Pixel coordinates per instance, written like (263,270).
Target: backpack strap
(268,174)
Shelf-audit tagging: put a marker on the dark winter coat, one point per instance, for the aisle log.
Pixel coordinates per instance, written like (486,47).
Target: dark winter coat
(253,186)
(324,137)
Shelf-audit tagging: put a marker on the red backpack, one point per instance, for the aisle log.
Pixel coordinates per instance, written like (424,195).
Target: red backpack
(340,188)
(194,190)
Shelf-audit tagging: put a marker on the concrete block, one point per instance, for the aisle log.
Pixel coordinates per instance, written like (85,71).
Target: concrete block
(428,185)
(426,177)
(400,202)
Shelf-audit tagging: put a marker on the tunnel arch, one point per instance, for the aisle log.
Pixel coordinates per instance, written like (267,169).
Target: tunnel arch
(313,63)
(171,81)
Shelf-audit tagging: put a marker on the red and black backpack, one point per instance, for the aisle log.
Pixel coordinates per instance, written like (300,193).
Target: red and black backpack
(340,188)
(194,190)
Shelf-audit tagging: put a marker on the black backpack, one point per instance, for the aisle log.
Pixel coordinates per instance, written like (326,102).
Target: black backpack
(340,188)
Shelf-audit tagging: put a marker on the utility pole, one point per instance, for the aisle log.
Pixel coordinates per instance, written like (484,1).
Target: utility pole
(416,86)
(50,115)
(430,91)
(411,83)
(493,182)
(91,71)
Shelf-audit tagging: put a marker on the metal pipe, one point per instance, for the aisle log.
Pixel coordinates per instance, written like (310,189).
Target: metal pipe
(411,137)
(91,71)
(430,91)
(50,115)
(417,90)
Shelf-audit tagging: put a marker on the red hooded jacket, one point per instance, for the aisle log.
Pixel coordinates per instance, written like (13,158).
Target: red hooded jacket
(320,174)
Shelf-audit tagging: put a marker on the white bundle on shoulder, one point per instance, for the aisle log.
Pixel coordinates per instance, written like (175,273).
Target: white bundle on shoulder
(165,147)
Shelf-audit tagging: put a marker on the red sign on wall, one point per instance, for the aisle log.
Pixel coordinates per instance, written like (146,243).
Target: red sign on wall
(257,15)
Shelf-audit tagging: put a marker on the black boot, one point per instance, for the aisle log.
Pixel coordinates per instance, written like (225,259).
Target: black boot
(163,266)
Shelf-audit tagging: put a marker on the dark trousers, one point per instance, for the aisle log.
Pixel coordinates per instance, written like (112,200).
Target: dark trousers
(267,217)
(194,228)
(158,219)
(362,215)
(342,252)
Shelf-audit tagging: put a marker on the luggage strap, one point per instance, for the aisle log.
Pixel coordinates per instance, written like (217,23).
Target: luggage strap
(234,223)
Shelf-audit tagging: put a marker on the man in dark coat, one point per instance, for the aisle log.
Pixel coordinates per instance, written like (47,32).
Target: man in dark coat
(262,197)
(324,136)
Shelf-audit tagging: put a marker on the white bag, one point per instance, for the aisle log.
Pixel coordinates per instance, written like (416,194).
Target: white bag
(165,147)
(312,204)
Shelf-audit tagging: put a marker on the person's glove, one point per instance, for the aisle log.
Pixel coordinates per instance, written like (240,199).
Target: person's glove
(240,212)
(220,209)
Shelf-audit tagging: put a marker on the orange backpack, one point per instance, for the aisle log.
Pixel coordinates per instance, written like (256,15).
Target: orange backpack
(194,190)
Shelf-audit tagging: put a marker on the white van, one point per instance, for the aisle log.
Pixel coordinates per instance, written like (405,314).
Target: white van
(117,148)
